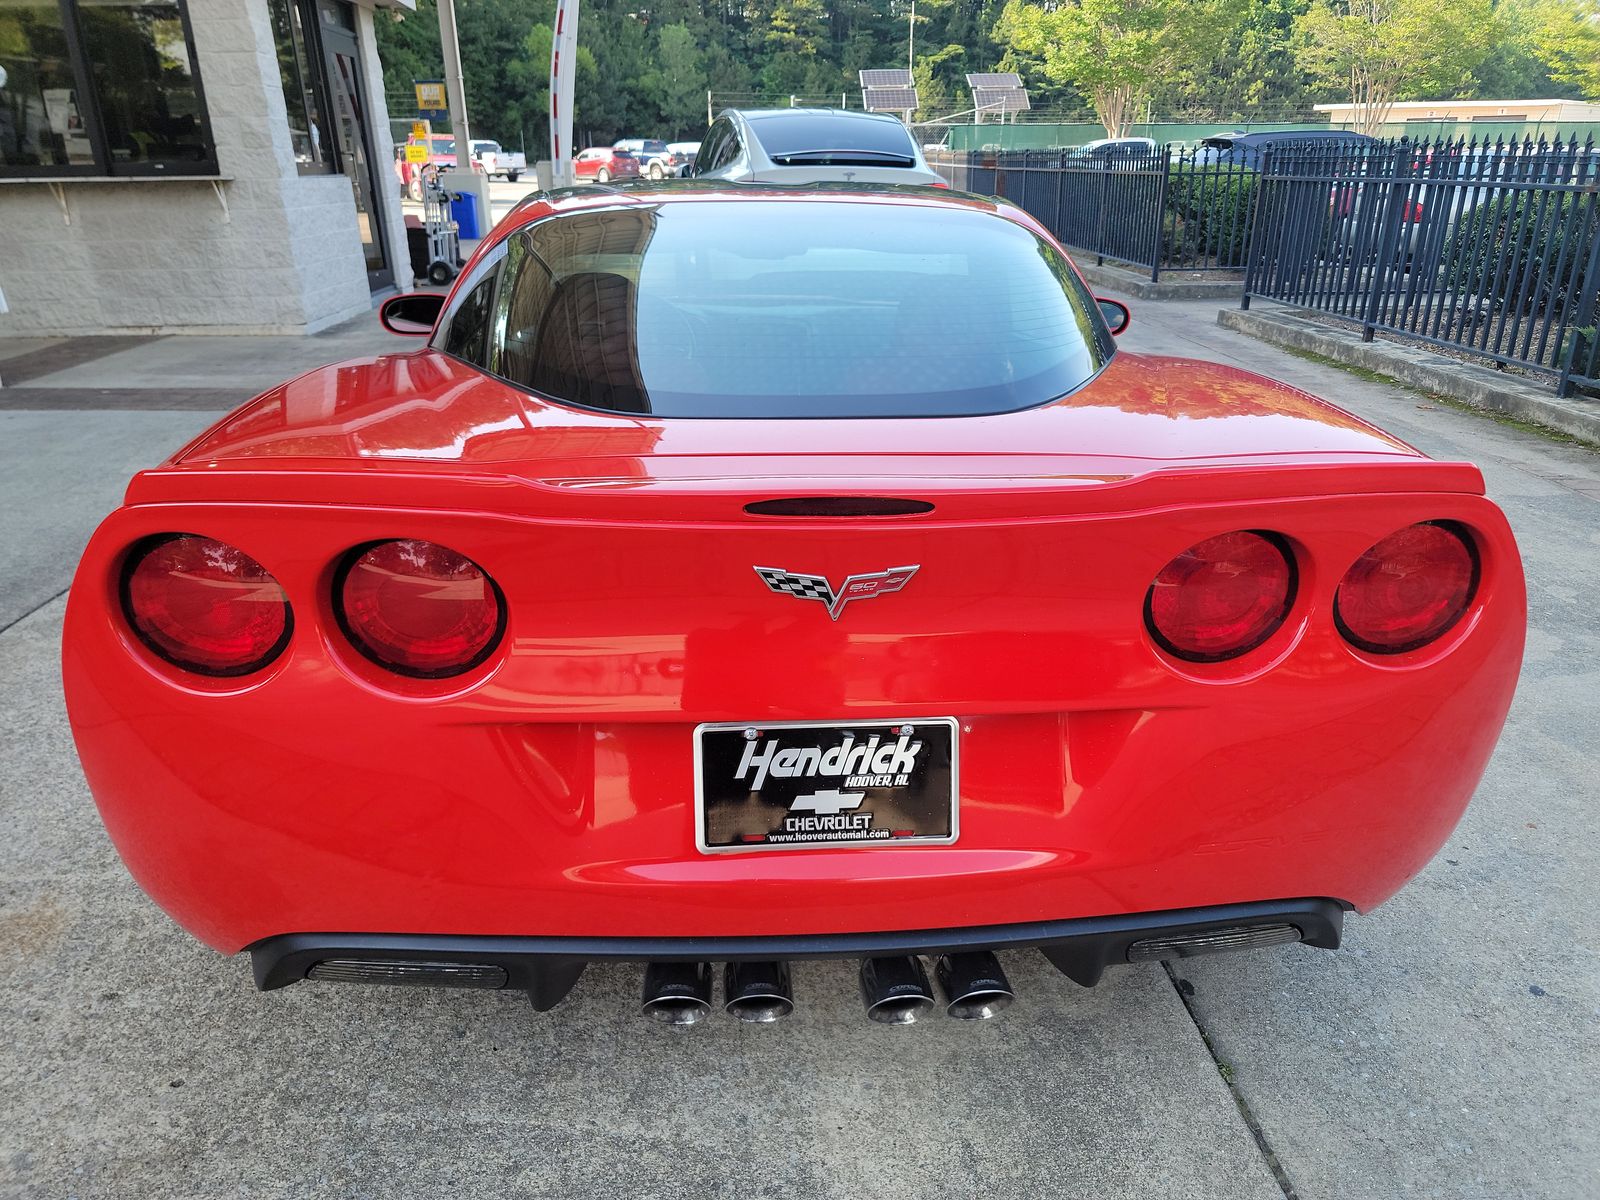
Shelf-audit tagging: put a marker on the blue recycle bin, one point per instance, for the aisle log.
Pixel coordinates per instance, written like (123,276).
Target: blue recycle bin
(464,212)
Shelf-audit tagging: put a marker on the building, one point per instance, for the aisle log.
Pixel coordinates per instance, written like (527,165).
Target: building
(194,166)
(1547,113)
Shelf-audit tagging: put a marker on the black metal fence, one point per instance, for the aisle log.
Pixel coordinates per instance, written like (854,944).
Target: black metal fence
(1487,249)
(1165,210)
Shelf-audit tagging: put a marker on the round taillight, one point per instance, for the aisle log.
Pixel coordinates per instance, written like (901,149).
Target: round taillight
(1408,589)
(1221,597)
(204,605)
(419,608)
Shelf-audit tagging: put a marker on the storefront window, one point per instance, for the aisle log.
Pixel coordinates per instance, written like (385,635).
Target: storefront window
(100,87)
(41,124)
(308,122)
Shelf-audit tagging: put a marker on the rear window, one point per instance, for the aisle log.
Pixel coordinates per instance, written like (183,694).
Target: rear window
(793,309)
(828,140)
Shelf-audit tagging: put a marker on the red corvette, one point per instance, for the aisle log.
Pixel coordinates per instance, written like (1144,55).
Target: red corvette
(741,576)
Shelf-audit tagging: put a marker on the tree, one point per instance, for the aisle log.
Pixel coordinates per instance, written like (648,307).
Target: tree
(1380,51)
(1253,76)
(1116,52)
(682,81)
(933,95)
(1566,37)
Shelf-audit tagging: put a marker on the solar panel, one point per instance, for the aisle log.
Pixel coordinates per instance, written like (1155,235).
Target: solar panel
(893,77)
(1000,99)
(999,79)
(890,99)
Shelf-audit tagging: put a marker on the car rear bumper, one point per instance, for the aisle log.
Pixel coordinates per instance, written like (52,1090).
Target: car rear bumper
(547,967)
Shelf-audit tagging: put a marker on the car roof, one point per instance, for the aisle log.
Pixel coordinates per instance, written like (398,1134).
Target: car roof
(1259,137)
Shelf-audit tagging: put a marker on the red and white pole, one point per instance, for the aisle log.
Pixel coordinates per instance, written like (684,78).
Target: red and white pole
(563,75)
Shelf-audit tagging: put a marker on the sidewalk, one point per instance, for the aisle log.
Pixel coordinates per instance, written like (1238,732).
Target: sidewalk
(173,372)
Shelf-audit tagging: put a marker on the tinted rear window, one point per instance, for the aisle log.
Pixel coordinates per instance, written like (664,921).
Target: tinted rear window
(803,133)
(793,309)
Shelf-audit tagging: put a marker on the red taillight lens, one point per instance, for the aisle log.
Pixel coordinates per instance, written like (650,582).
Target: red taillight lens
(419,608)
(1408,589)
(1222,597)
(205,606)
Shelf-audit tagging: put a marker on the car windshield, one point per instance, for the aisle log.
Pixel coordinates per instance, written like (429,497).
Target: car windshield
(444,145)
(794,309)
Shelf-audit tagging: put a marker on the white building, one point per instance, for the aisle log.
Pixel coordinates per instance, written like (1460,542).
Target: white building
(1534,112)
(195,166)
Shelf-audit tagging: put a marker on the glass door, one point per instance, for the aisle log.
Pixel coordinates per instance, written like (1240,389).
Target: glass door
(352,139)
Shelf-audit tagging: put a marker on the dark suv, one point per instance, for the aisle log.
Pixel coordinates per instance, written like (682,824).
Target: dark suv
(1245,148)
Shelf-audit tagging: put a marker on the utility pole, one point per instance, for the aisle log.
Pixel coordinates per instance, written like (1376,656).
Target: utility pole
(911,39)
(454,84)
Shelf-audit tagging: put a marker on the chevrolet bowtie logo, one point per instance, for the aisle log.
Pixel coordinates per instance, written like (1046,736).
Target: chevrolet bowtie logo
(855,587)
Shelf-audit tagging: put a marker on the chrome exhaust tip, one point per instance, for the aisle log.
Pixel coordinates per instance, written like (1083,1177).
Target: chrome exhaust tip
(677,993)
(974,985)
(757,992)
(895,990)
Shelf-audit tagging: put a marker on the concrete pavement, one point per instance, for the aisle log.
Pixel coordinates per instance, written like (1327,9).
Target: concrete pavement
(1450,1051)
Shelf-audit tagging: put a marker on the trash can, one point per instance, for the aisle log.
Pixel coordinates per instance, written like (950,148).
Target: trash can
(464,212)
(417,247)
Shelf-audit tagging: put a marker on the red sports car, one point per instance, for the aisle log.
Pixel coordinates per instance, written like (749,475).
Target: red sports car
(739,576)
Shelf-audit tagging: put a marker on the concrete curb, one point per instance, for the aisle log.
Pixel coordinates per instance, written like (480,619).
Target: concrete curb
(1137,284)
(1480,387)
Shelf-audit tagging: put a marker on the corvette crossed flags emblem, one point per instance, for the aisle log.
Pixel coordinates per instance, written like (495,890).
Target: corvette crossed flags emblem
(855,587)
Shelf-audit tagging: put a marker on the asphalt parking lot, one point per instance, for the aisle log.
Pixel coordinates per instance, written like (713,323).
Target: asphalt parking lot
(1450,1050)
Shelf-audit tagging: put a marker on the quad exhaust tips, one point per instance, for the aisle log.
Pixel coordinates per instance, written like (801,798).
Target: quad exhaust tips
(974,986)
(758,992)
(677,993)
(895,990)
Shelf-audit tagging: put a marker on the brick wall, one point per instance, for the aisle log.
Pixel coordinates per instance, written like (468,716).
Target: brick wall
(165,256)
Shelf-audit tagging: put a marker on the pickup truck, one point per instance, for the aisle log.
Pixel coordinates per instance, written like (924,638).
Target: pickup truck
(494,162)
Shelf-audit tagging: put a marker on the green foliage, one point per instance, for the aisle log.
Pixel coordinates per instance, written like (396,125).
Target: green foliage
(1522,234)
(1380,51)
(1117,52)
(1565,35)
(1207,215)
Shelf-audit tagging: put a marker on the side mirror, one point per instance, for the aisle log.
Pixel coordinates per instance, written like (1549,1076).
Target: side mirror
(1116,313)
(414,314)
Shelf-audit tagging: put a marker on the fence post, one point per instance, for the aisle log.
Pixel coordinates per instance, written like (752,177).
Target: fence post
(1161,213)
(1100,219)
(1588,309)
(1393,224)
(1252,258)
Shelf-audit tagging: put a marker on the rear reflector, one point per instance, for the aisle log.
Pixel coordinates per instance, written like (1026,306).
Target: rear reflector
(1212,941)
(416,974)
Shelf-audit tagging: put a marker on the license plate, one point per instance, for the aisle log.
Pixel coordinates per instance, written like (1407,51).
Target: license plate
(804,784)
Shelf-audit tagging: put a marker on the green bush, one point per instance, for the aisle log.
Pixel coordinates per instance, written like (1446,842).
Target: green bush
(1207,217)
(1496,244)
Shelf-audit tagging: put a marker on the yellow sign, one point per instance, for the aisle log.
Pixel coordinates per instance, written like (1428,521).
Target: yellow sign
(419,129)
(417,153)
(431,95)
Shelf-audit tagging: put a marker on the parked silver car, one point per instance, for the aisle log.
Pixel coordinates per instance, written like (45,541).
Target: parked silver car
(811,145)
